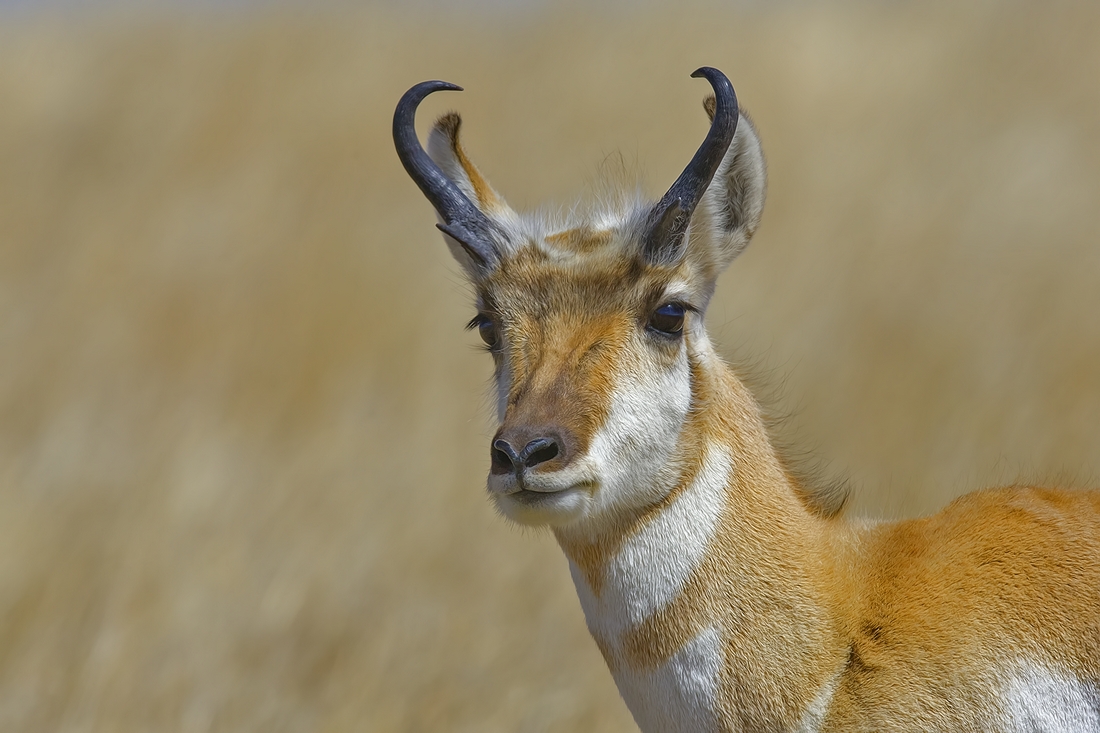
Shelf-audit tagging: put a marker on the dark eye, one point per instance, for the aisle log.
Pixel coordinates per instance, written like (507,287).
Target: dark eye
(668,320)
(488,332)
(486,328)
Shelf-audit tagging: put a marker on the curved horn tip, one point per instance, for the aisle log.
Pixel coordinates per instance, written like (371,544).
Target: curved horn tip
(668,220)
(405,112)
(713,75)
(416,93)
(439,86)
(463,220)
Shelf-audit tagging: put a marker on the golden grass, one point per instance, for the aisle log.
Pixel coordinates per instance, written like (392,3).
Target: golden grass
(242,433)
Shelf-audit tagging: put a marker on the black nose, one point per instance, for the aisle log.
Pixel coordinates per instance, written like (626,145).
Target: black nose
(506,459)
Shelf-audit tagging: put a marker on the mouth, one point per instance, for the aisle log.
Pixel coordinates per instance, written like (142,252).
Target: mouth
(532,498)
(555,506)
(525,490)
(528,502)
(532,487)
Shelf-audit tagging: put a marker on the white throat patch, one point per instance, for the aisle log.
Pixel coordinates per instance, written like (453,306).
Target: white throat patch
(647,574)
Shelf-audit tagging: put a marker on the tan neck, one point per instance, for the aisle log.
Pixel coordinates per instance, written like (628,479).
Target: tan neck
(767,580)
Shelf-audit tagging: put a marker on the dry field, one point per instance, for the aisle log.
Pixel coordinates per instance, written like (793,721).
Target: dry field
(243,434)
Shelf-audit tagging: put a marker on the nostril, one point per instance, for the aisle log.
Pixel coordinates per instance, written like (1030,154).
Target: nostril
(504,458)
(539,451)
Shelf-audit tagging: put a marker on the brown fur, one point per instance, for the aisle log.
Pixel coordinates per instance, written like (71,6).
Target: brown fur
(896,612)
(907,626)
(581,239)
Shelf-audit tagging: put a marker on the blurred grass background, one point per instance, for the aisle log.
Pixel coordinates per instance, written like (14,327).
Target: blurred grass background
(243,434)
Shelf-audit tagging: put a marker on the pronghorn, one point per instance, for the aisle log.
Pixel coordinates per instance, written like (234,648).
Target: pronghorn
(722,596)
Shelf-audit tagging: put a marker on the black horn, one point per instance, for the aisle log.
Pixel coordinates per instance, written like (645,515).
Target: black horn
(462,220)
(662,241)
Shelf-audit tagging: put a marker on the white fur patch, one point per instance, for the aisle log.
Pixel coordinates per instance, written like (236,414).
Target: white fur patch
(653,565)
(648,573)
(630,453)
(680,694)
(1040,700)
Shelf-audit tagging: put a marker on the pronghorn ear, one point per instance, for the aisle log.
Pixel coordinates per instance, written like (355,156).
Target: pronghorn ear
(729,212)
(446,150)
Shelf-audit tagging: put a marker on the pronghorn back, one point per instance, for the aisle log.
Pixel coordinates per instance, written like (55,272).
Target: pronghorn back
(720,594)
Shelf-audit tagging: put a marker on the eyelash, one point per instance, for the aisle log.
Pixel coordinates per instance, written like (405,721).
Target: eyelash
(487,328)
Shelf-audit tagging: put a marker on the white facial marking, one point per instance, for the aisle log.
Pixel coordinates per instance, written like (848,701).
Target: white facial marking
(1041,699)
(627,464)
(630,452)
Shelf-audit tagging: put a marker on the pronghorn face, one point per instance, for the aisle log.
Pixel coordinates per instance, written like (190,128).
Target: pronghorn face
(591,323)
(592,377)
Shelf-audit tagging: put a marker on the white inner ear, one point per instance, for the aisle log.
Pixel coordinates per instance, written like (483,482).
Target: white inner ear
(441,151)
(445,149)
(730,209)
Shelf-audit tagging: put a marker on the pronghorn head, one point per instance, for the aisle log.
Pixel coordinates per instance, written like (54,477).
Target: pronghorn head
(595,325)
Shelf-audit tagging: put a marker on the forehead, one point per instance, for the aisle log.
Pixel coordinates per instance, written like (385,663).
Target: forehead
(568,272)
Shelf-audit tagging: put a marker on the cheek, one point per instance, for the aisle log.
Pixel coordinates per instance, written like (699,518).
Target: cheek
(659,400)
(649,403)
